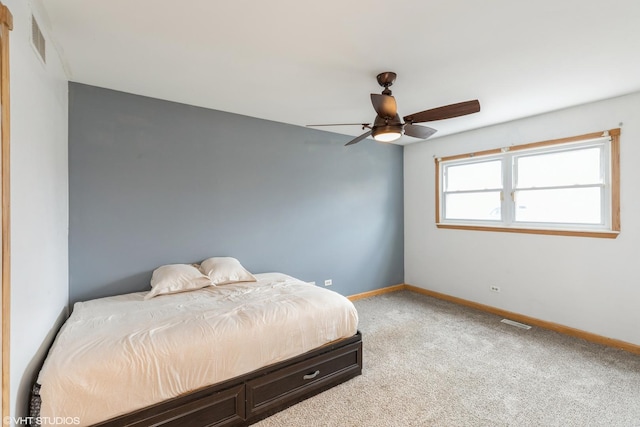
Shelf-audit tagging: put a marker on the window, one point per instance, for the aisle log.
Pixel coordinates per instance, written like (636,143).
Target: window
(567,187)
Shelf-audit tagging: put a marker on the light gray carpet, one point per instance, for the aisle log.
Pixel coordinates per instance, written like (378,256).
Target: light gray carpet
(432,363)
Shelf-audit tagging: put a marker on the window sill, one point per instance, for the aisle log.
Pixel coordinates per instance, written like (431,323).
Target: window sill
(573,233)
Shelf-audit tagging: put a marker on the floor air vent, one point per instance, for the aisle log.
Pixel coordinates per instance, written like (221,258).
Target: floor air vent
(516,324)
(38,40)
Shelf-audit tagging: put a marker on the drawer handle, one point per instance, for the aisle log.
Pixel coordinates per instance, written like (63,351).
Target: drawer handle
(311,376)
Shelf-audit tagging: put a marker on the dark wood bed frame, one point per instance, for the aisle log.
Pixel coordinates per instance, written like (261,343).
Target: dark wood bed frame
(244,400)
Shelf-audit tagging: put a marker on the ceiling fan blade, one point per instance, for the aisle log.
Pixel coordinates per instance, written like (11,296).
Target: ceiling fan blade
(422,132)
(364,125)
(358,139)
(446,112)
(385,105)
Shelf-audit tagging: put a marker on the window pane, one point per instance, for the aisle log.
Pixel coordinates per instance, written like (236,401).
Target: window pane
(568,205)
(575,167)
(480,206)
(474,176)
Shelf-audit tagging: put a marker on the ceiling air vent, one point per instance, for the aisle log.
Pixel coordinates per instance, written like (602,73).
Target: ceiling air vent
(38,40)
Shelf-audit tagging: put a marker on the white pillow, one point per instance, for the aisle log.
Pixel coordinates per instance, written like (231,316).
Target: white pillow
(225,270)
(173,278)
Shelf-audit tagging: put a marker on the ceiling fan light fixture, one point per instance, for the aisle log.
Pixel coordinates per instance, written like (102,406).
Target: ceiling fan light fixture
(387,133)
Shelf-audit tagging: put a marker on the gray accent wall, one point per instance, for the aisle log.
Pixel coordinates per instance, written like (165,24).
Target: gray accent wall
(153,182)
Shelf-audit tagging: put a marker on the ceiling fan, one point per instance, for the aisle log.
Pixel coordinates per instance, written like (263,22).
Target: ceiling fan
(387,125)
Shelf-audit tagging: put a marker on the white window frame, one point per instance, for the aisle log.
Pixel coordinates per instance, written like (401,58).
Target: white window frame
(607,141)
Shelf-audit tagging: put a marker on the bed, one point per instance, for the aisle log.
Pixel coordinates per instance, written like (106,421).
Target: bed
(221,355)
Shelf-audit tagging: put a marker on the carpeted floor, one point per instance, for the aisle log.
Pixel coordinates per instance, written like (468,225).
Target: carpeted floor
(432,363)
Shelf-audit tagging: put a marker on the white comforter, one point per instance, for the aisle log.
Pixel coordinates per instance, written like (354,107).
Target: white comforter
(118,354)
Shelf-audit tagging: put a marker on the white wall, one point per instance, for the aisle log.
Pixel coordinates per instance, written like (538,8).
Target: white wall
(39,201)
(585,283)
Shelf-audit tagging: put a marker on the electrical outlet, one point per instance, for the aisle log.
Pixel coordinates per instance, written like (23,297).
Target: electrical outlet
(495,288)
(328,282)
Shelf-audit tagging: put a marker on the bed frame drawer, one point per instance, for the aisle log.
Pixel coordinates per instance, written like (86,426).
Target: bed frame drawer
(285,387)
(224,408)
(218,409)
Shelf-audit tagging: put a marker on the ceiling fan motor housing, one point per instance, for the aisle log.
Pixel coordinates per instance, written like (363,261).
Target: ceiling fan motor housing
(379,121)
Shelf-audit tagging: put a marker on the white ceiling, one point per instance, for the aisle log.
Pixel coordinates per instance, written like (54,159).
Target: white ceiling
(315,62)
